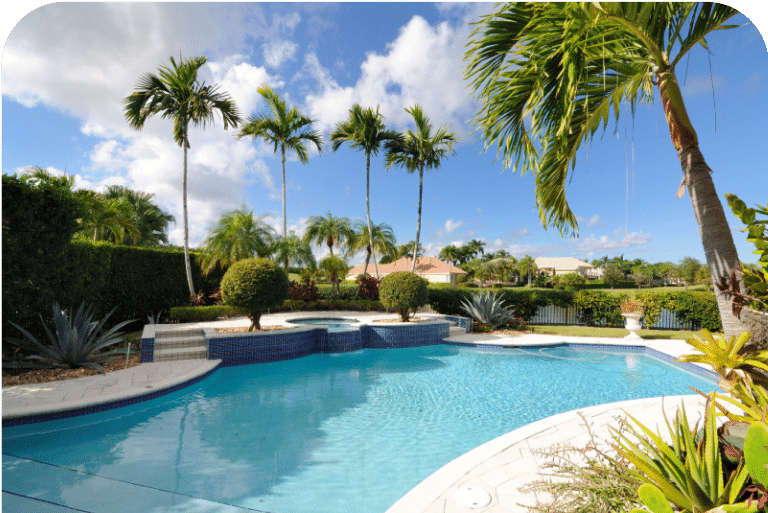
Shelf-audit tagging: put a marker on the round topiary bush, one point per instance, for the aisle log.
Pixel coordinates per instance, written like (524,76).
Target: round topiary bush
(256,284)
(403,292)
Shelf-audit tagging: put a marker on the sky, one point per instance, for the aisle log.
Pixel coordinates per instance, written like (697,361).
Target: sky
(66,68)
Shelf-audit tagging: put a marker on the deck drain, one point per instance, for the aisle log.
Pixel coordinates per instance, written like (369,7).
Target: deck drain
(472,497)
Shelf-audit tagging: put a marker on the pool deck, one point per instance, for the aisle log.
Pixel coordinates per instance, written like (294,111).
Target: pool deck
(497,468)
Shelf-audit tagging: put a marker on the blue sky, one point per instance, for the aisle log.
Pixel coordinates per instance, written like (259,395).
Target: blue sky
(66,68)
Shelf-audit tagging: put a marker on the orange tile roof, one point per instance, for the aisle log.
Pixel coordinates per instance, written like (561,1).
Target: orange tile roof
(424,265)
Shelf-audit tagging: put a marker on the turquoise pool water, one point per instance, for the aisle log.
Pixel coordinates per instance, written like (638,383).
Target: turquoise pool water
(327,433)
(332,323)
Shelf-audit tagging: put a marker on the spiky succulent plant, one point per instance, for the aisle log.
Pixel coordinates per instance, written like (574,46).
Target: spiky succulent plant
(487,308)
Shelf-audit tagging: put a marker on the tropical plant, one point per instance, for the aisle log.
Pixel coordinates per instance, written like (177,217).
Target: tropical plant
(403,292)
(255,284)
(329,230)
(450,253)
(74,342)
(383,242)
(612,275)
(295,250)
(106,219)
(548,75)
(284,129)
(526,266)
(365,130)
(149,219)
(238,235)
(417,151)
(336,269)
(488,309)
(688,271)
(176,93)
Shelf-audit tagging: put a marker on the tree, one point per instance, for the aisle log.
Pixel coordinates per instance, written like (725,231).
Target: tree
(475,247)
(256,284)
(549,74)
(106,219)
(527,267)
(334,267)
(238,235)
(176,93)
(295,250)
(329,230)
(285,129)
(612,275)
(365,130)
(451,254)
(383,241)
(417,151)
(148,218)
(403,250)
(689,270)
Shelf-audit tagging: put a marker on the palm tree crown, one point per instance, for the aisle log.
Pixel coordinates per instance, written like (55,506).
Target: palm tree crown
(238,235)
(329,230)
(383,241)
(285,129)
(176,93)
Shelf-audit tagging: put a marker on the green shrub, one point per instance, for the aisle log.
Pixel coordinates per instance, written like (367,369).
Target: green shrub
(256,284)
(598,308)
(403,292)
(203,313)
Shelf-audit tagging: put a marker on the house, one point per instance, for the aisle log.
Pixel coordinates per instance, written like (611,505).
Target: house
(434,270)
(567,265)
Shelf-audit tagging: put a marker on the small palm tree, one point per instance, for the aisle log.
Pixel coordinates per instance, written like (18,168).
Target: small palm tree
(383,242)
(237,236)
(420,150)
(285,129)
(364,130)
(334,267)
(106,219)
(329,230)
(295,250)
(176,93)
(150,220)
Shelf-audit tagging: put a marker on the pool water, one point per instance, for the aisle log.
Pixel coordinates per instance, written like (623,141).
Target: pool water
(325,433)
(333,324)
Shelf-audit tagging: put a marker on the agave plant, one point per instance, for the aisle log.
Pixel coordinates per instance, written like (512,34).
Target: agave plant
(75,342)
(488,308)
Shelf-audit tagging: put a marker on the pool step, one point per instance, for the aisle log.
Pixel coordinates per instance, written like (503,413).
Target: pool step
(456,330)
(180,345)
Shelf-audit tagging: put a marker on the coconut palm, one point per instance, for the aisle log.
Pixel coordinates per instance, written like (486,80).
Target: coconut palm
(329,230)
(548,75)
(420,150)
(295,250)
(238,235)
(383,241)
(150,220)
(285,129)
(176,93)
(364,130)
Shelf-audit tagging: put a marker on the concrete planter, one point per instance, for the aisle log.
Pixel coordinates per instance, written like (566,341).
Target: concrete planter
(633,325)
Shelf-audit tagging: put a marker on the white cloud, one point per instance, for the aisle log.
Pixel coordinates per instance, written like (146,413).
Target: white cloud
(451,225)
(592,221)
(604,243)
(277,52)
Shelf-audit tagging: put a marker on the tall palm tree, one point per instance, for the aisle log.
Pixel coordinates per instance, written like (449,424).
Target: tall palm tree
(176,93)
(475,247)
(285,129)
(364,130)
(383,237)
(150,220)
(549,74)
(329,230)
(420,150)
(238,235)
(295,250)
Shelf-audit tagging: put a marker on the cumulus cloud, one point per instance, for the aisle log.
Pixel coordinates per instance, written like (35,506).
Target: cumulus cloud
(592,221)
(604,243)
(451,225)
(277,52)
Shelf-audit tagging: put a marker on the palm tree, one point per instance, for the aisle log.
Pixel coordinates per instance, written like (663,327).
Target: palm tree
(383,241)
(106,219)
(295,250)
(476,247)
(364,130)
(334,266)
(238,235)
(450,253)
(284,129)
(549,74)
(420,150)
(150,220)
(329,230)
(527,267)
(177,94)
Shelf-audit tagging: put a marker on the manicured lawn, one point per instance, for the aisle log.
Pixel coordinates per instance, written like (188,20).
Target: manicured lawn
(588,331)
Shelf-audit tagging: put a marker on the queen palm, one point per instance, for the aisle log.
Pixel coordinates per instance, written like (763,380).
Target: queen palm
(383,238)
(238,235)
(176,93)
(285,129)
(417,151)
(549,74)
(329,230)
(364,130)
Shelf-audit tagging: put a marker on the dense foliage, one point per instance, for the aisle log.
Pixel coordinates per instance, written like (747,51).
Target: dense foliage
(403,292)
(255,284)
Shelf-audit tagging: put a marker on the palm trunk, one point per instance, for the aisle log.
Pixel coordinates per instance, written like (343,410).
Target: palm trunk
(187,264)
(418,223)
(285,225)
(719,249)
(368,215)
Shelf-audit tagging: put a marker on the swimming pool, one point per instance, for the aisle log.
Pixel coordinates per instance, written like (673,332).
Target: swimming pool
(324,433)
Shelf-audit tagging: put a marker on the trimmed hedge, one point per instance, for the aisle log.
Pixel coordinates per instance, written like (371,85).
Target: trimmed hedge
(204,313)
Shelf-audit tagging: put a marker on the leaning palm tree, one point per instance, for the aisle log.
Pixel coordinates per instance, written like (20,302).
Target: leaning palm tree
(383,242)
(548,75)
(150,220)
(420,150)
(285,129)
(237,236)
(176,93)
(329,230)
(365,130)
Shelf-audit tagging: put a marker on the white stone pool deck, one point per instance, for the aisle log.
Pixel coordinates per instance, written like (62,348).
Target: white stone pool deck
(499,467)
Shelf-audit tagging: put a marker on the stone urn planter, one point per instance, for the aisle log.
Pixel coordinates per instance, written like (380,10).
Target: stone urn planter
(633,325)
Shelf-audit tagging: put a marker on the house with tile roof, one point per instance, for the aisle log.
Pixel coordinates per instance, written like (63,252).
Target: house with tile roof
(431,268)
(564,265)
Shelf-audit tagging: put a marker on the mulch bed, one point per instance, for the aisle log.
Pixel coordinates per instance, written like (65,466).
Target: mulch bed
(11,378)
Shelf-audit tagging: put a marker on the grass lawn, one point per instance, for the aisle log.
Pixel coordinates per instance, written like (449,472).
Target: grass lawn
(590,331)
